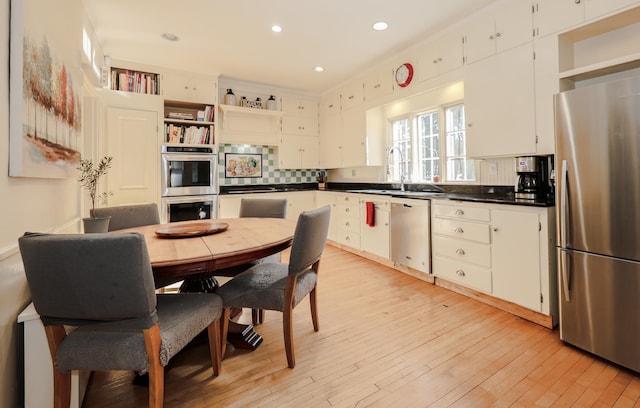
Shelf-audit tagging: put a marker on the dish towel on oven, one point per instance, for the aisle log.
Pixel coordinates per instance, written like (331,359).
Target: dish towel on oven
(371,214)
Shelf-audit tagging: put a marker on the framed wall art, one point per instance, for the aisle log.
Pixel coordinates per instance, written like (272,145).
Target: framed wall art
(45,128)
(242,165)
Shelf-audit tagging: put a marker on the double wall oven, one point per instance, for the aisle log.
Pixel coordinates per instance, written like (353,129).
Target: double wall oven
(189,182)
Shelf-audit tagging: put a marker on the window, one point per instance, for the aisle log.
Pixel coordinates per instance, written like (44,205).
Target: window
(416,151)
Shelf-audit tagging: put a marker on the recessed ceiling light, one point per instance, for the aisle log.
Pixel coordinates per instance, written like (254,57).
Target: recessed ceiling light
(169,37)
(318,69)
(276,29)
(380,26)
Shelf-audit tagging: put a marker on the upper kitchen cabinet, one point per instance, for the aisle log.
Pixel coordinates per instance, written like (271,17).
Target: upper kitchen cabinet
(505,27)
(551,16)
(189,87)
(378,83)
(546,85)
(440,56)
(299,116)
(499,104)
(352,95)
(330,104)
(299,152)
(597,8)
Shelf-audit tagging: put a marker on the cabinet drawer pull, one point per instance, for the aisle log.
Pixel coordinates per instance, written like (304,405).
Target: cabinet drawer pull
(347,210)
(347,238)
(347,224)
(460,251)
(458,230)
(460,272)
(459,212)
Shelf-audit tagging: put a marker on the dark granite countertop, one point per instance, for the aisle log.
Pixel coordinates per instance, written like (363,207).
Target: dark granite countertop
(475,193)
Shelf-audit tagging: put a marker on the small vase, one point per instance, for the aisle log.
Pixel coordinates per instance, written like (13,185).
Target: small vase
(96,225)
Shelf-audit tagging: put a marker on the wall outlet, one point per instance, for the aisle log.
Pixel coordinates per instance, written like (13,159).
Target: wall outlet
(353,172)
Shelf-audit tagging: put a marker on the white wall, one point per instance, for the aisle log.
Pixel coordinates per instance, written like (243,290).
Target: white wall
(25,205)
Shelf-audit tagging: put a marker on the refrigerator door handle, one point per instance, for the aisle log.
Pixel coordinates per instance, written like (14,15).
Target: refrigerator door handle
(566,274)
(564,175)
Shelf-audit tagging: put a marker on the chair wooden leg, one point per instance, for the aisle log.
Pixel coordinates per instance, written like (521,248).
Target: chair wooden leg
(156,371)
(214,346)
(287,328)
(224,330)
(314,309)
(61,381)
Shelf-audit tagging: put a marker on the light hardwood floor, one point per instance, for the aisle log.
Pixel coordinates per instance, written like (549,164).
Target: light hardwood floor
(388,340)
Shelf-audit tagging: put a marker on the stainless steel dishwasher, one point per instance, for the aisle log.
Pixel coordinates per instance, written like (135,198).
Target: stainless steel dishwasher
(410,233)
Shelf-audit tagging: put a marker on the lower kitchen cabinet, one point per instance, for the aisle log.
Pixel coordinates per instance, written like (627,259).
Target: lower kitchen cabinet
(375,239)
(297,201)
(348,220)
(506,251)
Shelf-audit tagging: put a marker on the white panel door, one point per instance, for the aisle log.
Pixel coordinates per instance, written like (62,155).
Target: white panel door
(132,140)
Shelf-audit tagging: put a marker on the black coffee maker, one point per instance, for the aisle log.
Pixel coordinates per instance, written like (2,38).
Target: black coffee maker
(534,177)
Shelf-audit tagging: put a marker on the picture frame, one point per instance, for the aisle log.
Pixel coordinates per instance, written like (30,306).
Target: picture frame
(45,121)
(241,165)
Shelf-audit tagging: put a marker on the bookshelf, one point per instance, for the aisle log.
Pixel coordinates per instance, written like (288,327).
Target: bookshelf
(188,123)
(128,80)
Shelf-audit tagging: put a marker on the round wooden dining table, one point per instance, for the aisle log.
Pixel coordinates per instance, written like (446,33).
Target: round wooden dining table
(197,251)
(186,255)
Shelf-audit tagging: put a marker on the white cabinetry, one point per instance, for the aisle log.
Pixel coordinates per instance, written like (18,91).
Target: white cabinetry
(515,252)
(551,16)
(299,152)
(375,239)
(461,245)
(500,104)
(597,8)
(348,220)
(440,56)
(546,85)
(299,116)
(352,95)
(130,133)
(299,144)
(509,25)
(328,198)
(189,87)
(378,84)
(506,251)
(297,201)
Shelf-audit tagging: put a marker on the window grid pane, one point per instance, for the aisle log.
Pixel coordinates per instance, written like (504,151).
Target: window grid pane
(401,135)
(428,146)
(459,168)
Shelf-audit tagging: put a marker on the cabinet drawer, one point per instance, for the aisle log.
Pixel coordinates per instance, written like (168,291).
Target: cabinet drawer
(461,212)
(348,210)
(465,274)
(348,238)
(467,251)
(347,199)
(350,224)
(462,229)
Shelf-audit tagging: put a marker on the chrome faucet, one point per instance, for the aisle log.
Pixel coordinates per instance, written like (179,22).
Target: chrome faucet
(402,175)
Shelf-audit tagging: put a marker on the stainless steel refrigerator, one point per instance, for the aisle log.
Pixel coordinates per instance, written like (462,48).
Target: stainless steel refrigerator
(598,213)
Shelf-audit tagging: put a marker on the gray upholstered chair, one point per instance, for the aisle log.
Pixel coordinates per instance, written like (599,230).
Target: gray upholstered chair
(102,284)
(263,208)
(279,286)
(129,216)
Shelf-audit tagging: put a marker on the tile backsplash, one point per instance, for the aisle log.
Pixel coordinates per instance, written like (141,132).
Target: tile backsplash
(270,173)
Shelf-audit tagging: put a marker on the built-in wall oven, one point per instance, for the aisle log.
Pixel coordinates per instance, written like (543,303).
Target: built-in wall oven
(189,182)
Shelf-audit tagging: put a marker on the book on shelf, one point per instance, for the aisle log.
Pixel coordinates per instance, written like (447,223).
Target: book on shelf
(188,134)
(134,81)
(180,115)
